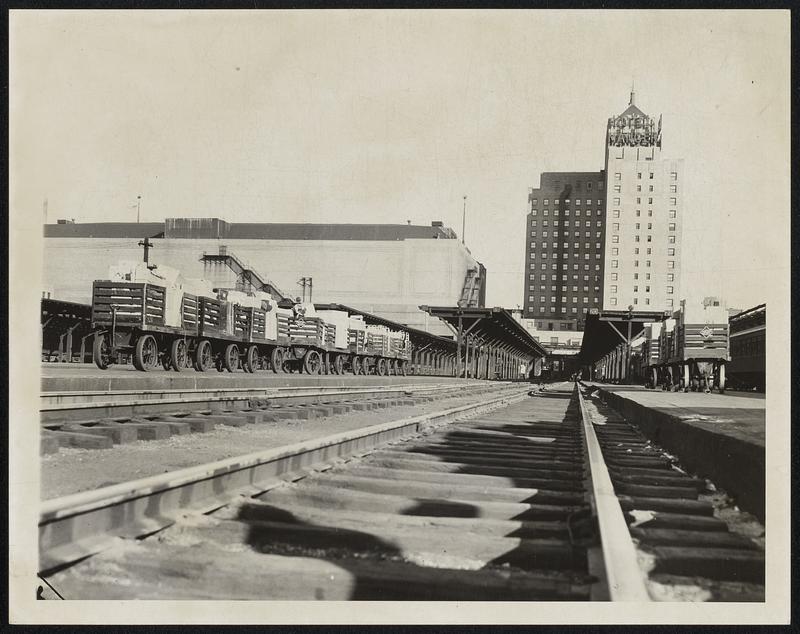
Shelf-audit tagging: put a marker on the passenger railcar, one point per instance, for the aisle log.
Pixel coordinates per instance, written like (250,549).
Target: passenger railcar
(748,335)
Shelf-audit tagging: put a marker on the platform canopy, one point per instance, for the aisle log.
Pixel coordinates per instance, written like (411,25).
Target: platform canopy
(419,338)
(491,326)
(606,329)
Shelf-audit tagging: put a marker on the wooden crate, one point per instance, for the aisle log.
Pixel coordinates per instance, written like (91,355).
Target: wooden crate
(190,314)
(136,303)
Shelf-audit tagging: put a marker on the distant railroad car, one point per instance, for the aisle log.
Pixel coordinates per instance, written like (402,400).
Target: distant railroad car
(748,330)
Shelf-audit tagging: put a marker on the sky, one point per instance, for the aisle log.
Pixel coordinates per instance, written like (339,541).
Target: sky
(390,116)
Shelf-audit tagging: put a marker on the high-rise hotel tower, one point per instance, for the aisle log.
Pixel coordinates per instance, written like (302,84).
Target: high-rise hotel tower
(644,199)
(607,239)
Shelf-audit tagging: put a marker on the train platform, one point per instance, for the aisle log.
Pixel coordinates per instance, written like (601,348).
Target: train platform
(718,436)
(85,377)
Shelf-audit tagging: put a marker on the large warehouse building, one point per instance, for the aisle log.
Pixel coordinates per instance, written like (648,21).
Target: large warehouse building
(389,270)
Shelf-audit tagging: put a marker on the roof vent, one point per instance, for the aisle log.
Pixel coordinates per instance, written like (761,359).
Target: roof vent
(437,223)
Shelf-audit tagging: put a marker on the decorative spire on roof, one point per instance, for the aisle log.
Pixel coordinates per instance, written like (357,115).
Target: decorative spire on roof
(632,101)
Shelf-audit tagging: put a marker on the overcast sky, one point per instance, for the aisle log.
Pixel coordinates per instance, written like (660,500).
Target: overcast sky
(392,116)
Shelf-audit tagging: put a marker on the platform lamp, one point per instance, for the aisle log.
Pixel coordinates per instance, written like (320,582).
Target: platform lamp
(138,207)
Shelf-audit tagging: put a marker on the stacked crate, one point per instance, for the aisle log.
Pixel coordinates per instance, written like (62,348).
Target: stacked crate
(701,330)
(398,345)
(213,317)
(136,304)
(330,335)
(377,341)
(306,332)
(666,341)
(283,318)
(190,314)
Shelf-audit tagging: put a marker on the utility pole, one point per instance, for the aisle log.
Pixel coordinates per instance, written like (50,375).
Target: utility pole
(464,220)
(138,206)
(307,281)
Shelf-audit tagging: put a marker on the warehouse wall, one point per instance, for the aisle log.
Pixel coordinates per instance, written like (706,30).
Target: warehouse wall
(384,277)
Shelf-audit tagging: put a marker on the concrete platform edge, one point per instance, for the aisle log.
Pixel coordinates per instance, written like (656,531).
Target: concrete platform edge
(736,466)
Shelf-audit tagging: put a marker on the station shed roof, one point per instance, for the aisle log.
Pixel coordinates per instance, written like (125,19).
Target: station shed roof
(493,326)
(606,329)
(419,338)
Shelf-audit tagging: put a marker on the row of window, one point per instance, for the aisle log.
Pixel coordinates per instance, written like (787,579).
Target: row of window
(615,251)
(546,212)
(615,264)
(565,223)
(672,201)
(553,311)
(565,234)
(546,201)
(575,245)
(673,189)
(543,256)
(670,277)
(556,277)
(672,213)
(613,301)
(673,176)
(670,289)
(615,240)
(670,226)
(554,288)
(564,267)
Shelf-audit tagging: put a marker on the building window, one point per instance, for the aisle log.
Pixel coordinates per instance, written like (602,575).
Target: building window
(651,175)
(545,223)
(544,266)
(598,223)
(649,251)
(638,188)
(648,262)
(613,288)
(533,223)
(647,300)
(638,201)
(588,223)
(546,212)
(600,185)
(555,246)
(615,251)
(649,201)
(585,267)
(574,267)
(532,266)
(555,213)
(596,235)
(636,238)
(615,226)
(563,267)
(575,245)
(563,309)
(614,264)
(639,175)
(670,290)
(615,239)
(638,226)
(670,277)
(669,302)
(636,276)
(672,213)
(617,189)
(647,288)
(616,201)
(566,212)
(596,245)
(574,289)
(613,277)
(647,277)
(577,201)
(544,255)
(673,189)
(635,289)
(635,300)
(673,176)
(616,213)
(672,226)
(566,223)
(613,301)
(542,288)
(533,234)
(594,301)
(673,201)
(650,213)
(546,201)
(636,263)
(617,176)
(649,225)
(588,185)
(649,238)
(636,251)
(650,188)
(638,212)
(553,278)
(585,289)
(534,201)
(671,252)
(553,288)
(533,212)
(531,298)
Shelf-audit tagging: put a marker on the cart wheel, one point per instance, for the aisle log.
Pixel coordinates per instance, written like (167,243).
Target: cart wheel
(380,367)
(355,364)
(202,356)
(276,360)
(101,352)
(722,378)
(250,362)
(230,359)
(312,362)
(338,364)
(179,355)
(145,355)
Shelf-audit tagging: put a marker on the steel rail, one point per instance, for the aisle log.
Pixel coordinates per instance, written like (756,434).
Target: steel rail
(624,576)
(76,526)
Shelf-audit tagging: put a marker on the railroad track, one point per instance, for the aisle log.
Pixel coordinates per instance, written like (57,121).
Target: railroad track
(515,500)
